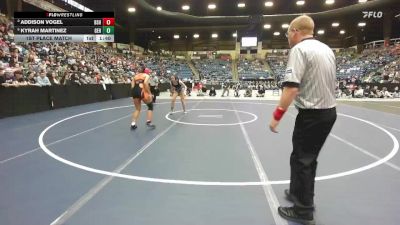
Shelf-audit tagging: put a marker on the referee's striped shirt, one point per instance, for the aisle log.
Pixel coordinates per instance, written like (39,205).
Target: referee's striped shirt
(312,68)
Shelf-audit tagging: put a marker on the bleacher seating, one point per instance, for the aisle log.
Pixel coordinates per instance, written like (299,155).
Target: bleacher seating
(214,69)
(251,69)
(166,67)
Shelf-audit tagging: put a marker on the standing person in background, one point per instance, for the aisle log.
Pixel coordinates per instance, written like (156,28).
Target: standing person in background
(178,88)
(154,82)
(225,87)
(236,90)
(309,80)
(141,92)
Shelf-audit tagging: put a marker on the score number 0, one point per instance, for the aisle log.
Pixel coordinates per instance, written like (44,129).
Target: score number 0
(108,21)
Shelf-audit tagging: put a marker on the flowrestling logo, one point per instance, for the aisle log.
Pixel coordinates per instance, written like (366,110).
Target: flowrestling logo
(372,14)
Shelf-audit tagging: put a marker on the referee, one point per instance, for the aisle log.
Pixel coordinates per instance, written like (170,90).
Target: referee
(309,81)
(154,85)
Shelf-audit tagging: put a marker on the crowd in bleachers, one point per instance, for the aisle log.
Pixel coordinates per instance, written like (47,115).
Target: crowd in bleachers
(354,72)
(372,66)
(214,70)
(164,67)
(278,66)
(253,69)
(45,64)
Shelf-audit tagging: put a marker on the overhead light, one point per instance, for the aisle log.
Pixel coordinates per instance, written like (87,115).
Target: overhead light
(241,5)
(196,35)
(212,6)
(176,36)
(214,35)
(159,37)
(329,2)
(159,8)
(267,26)
(132,9)
(342,32)
(335,24)
(269,4)
(185,7)
(285,26)
(300,2)
(277,33)
(321,32)
(362,1)
(362,24)
(234,35)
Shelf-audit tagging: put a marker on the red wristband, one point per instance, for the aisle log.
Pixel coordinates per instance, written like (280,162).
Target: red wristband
(278,113)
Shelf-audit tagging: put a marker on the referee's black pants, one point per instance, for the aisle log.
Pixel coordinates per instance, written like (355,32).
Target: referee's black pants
(311,129)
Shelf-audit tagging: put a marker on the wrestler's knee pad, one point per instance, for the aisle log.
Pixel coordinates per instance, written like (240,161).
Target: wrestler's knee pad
(150,106)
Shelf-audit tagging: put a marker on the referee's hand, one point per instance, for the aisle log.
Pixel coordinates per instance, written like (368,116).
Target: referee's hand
(273,124)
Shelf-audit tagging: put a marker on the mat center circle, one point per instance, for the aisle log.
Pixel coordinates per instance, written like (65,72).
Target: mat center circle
(212,117)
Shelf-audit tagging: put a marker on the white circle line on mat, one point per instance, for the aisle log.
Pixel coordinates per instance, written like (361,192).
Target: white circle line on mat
(392,153)
(167,116)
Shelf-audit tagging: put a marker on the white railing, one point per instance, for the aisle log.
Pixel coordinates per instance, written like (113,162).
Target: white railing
(380,43)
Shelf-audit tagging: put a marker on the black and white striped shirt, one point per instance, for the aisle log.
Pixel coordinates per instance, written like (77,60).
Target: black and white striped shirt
(312,68)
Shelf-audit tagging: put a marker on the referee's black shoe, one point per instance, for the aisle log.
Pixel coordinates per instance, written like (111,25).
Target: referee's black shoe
(291,198)
(290,213)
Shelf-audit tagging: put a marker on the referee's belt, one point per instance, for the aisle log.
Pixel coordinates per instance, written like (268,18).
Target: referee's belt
(316,110)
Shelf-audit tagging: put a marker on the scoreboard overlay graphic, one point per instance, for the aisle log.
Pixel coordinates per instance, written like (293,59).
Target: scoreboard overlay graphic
(64,26)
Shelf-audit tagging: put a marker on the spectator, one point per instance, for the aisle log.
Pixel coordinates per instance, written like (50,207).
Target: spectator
(248,92)
(83,79)
(107,79)
(359,92)
(260,91)
(98,78)
(15,58)
(74,79)
(3,57)
(32,79)
(19,78)
(374,92)
(212,92)
(53,78)
(9,76)
(2,75)
(43,80)
(225,87)
(92,79)
(367,92)
(236,90)
(396,93)
(386,93)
